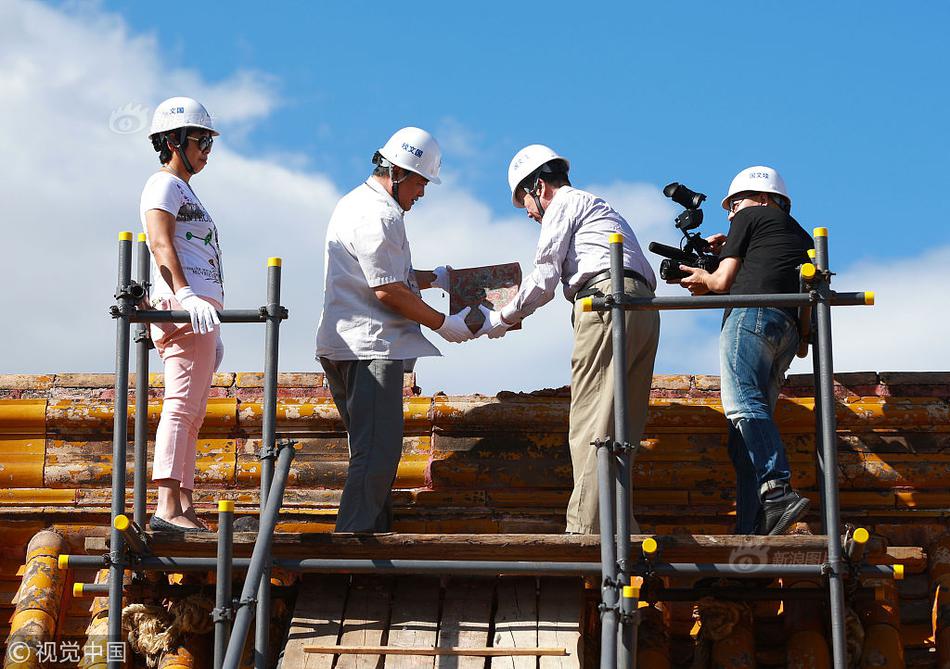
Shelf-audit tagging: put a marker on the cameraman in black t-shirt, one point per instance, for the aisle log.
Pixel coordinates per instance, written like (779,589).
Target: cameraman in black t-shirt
(761,254)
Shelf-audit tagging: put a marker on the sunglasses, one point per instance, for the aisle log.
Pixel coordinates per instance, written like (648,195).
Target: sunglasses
(204,142)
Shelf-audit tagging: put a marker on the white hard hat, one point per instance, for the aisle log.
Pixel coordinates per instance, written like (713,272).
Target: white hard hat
(180,112)
(415,150)
(527,161)
(759,179)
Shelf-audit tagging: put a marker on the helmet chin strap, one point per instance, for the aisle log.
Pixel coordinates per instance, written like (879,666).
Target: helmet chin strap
(534,194)
(182,139)
(395,183)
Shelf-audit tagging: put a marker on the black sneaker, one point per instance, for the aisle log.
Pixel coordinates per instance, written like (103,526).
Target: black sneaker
(778,513)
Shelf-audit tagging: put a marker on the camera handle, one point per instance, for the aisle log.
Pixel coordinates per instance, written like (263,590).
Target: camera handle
(695,243)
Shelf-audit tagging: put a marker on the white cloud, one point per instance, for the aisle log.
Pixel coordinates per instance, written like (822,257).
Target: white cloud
(70,184)
(906,329)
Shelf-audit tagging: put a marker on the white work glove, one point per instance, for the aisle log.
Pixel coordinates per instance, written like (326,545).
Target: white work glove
(493,326)
(203,316)
(455,329)
(441,277)
(218,352)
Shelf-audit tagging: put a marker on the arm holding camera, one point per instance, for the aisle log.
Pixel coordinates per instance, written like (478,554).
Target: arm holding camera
(699,282)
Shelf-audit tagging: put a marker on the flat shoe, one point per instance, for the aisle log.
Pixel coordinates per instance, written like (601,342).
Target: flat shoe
(161,525)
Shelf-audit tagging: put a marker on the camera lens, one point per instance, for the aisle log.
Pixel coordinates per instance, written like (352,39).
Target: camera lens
(683,196)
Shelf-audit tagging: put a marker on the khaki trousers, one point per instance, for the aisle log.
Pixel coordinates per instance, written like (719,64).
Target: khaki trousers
(592,395)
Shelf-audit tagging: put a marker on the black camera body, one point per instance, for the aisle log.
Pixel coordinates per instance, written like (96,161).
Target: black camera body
(694,251)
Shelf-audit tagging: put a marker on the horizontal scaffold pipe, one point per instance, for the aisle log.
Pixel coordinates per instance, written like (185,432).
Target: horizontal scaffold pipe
(226,316)
(757,570)
(476,567)
(630,303)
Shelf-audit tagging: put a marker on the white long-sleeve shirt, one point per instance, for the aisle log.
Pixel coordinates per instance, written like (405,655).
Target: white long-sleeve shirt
(573,247)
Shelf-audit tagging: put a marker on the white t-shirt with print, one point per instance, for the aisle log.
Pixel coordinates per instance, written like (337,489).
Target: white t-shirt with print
(196,237)
(366,247)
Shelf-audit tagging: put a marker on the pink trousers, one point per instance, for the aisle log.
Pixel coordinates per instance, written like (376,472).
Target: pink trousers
(189,366)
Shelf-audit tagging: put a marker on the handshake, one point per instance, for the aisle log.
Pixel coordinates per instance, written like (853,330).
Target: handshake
(454,328)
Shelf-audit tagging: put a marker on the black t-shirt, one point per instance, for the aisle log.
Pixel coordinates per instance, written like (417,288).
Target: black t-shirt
(771,245)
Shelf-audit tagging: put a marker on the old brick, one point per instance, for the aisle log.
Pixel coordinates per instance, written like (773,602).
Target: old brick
(25,381)
(671,382)
(915,378)
(854,379)
(706,382)
(223,379)
(301,379)
(249,380)
(799,380)
(84,380)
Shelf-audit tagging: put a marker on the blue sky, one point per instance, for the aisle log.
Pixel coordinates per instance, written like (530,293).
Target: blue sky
(844,98)
(848,100)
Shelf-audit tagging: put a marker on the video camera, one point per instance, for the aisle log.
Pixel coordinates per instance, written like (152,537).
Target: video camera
(694,251)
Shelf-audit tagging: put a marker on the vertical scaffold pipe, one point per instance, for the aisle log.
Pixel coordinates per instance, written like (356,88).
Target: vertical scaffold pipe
(119,440)
(222,599)
(821,264)
(627,649)
(261,554)
(141,391)
(608,555)
(268,434)
(825,389)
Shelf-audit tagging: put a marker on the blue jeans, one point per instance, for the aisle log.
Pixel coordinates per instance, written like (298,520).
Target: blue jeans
(756,346)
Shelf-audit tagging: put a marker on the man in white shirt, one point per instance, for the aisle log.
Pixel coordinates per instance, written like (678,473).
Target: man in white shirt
(574,249)
(369,331)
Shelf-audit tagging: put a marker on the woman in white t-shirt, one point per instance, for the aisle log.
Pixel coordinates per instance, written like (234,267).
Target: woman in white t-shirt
(186,275)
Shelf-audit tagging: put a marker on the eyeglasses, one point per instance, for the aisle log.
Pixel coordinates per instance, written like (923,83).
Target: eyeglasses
(736,199)
(204,142)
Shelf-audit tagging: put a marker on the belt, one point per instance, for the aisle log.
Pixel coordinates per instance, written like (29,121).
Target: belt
(588,288)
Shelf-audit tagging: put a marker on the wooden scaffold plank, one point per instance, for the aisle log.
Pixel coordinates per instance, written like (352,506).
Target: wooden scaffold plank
(560,613)
(516,621)
(366,619)
(317,620)
(414,622)
(466,617)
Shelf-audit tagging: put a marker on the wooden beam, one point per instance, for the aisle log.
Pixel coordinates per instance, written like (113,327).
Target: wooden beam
(548,547)
(486,651)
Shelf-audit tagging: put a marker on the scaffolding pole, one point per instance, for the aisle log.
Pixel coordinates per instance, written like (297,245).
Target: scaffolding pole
(609,609)
(141,390)
(223,611)
(126,295)
(627,618)
(829,444)
(260,559)
(268,453)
